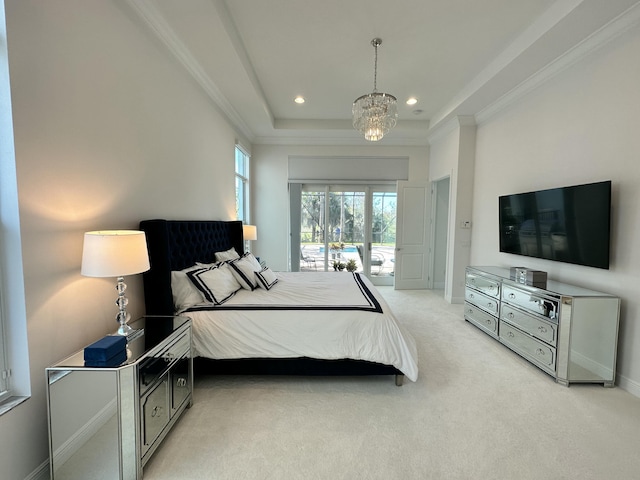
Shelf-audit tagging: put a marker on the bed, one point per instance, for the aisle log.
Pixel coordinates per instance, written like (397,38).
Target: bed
(285,330)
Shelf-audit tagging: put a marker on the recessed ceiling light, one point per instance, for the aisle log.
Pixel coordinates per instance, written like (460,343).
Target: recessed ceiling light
(412,101)
(299,99)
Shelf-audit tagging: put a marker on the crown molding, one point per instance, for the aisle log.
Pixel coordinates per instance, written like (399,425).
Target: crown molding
(157,24)
(618,26)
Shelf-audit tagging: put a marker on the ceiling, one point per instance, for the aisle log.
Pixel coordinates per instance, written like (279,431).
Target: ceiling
(457,57)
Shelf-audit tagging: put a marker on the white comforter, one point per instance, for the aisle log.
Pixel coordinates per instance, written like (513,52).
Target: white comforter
(325,315)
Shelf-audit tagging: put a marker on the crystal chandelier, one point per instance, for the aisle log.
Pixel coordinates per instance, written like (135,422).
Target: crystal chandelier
(374,114)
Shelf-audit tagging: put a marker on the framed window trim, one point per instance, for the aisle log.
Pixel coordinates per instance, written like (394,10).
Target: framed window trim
(14,354)
(242,169)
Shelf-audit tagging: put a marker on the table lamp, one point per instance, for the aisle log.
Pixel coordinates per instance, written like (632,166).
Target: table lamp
(249,232)
(116,253)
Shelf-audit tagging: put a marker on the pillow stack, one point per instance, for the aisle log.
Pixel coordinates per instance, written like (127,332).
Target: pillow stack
(218,282)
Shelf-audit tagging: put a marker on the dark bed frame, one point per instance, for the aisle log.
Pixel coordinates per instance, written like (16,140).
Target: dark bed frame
(178,244)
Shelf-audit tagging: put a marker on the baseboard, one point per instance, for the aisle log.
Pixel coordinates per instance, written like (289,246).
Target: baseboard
(629,385)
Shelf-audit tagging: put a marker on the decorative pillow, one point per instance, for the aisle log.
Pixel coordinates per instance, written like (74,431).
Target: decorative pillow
(185,294)
(227,255)
(244,269)
(266,278)
(217,283)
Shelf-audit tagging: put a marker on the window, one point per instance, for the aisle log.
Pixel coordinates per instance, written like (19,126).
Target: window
(15,385)
(242,184)
(4,376)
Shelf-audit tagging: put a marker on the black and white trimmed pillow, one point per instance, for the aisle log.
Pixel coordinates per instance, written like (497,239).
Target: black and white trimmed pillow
(244,269)
(217,284)
(266,278)
(230,254)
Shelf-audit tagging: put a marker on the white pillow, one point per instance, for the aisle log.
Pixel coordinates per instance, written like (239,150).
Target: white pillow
(227,255)
(217,283)
(185,294)
(266,278)
(244,269)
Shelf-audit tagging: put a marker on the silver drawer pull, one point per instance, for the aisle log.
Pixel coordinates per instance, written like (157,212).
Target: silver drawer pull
(542,329)
(156,412)
(510,315)
(471,295)
(539,351)
(511,334)
(491,287)
(488,322)
(489,304)
(512,296)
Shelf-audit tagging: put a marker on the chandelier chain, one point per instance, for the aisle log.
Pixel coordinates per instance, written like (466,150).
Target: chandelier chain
(375,68)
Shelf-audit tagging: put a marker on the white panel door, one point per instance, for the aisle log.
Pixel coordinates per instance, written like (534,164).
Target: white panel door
(411,236)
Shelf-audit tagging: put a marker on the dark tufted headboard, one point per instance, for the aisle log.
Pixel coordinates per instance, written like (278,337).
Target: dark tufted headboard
(178,244)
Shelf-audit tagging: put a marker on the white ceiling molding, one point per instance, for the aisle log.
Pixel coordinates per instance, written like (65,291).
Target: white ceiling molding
(160,28)
(615,28)
(241,51)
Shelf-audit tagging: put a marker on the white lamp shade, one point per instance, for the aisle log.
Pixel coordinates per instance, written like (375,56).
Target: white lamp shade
(114,253)
(249,232)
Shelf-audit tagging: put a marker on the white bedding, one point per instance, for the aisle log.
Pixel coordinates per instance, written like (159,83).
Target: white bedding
(324,315)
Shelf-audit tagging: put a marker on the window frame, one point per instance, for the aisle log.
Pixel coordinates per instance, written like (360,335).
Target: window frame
(242,183)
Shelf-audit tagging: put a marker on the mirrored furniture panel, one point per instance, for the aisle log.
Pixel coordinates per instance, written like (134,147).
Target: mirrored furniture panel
(106,422)
(569,332)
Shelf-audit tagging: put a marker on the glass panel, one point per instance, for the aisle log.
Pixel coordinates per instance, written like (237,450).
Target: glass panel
(383,233)
(312,242)
(347,227)
(240,194)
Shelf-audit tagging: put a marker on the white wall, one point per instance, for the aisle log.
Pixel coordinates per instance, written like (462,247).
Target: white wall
(270,184)
(579,127)
(108,131)
(453,156)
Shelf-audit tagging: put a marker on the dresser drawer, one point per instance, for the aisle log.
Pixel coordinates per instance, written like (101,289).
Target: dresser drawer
(537,352)
(488,304)
(483,284)
(536,304)
(154,367)
(481,319)
(541,329)
(155,413)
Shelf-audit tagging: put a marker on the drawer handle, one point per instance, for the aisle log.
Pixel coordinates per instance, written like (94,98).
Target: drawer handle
(489,304)
(488,321)
(181,382)
(539,351)
(157,411)
(542,329)
(511,335)
(471,295)
(512,296)
(168,357)
(491,287)
(510,315)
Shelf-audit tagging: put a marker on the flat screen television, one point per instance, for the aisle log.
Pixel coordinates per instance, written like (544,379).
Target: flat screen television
(569,224)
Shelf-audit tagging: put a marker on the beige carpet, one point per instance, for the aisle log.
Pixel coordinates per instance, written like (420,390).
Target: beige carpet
(477,411)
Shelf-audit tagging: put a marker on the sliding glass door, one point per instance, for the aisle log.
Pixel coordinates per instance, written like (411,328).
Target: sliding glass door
(348,228)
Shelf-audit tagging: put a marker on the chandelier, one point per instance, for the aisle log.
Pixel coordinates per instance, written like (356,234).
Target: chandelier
(375,113)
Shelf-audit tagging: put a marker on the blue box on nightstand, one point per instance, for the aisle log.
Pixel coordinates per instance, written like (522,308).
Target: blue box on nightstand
(109,351)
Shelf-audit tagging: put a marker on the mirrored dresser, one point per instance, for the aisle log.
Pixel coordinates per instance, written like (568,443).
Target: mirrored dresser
(569,332)
(106,422)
